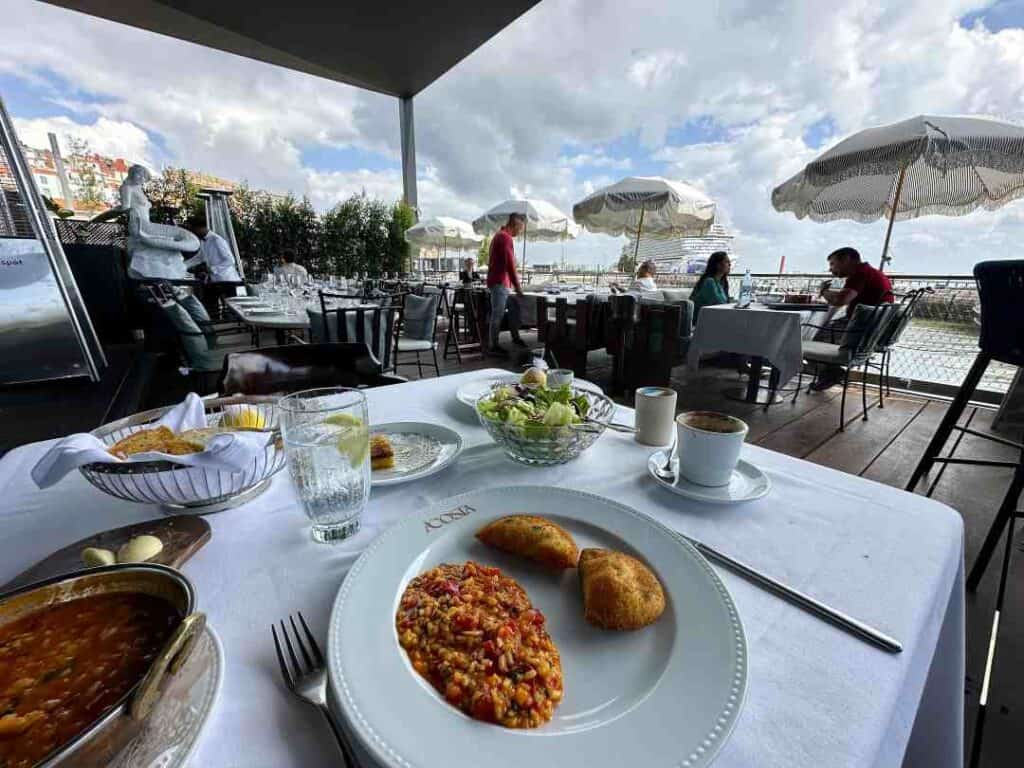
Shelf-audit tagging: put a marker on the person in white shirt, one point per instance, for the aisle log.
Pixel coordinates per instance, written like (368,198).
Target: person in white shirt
(644,280)
(214,252)
(222,274)
(290,269)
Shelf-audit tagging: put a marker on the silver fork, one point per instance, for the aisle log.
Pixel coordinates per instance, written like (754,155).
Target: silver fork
(308,681)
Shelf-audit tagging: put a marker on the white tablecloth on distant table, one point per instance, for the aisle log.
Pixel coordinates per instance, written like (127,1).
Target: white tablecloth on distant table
(816,696)
(771,334)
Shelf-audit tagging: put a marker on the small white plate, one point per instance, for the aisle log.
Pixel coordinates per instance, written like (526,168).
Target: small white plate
(747,483)
(471,391)
(421,449)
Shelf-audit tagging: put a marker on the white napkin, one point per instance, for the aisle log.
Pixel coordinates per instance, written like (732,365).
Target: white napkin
(231,451)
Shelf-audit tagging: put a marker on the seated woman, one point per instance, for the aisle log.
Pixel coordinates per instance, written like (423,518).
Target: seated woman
(713,286)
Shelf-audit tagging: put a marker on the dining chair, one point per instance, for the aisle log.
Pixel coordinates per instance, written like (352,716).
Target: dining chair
(859,343)
(280,370)
(419,331)
(374,325)
(902,315)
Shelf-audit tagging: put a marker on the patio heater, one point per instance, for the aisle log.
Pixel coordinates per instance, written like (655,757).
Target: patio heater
(45,329)
(218,219)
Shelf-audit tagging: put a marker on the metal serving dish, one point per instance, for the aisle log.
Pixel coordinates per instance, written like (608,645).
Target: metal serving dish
(99,742)
(188,488)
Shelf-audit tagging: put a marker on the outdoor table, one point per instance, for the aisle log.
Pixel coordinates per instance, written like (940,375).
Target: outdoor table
(816,696)
(759,333)
(280,322)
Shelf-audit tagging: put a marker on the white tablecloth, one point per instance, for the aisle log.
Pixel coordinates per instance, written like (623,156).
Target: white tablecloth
(768,333)
(816,697)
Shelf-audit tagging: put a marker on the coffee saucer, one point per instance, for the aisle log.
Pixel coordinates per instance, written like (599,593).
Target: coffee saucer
(746,484)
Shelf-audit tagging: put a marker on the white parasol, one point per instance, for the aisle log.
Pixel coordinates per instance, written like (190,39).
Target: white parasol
(441,232)
(923,165)
(646,204)
(544,222)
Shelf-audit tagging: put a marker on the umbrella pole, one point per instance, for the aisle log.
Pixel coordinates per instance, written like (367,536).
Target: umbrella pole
(636,247)
(524,244)
(892,219)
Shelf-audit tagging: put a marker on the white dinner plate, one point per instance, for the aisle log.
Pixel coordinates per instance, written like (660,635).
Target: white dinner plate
(261,311)
(471,391)
(666,695)
(421,449)
(747,483)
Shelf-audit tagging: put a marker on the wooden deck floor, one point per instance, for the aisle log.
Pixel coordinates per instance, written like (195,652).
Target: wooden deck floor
(885,448)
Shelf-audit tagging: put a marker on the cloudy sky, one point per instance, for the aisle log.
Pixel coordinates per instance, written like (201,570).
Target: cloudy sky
(733,96)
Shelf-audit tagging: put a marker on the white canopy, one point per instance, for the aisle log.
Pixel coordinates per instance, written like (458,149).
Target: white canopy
(442,232)
(543,220)
(658,206)
(924,165)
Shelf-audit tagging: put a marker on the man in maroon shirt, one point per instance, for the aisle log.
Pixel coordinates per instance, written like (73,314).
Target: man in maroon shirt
(864,285)
(502,279)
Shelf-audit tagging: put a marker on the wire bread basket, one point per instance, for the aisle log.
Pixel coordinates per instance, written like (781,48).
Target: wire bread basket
(196,489)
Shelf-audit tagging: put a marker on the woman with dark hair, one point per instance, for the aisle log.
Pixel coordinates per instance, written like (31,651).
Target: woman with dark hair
(713,286)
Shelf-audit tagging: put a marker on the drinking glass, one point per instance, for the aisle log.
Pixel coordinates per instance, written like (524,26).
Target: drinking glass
(327,447)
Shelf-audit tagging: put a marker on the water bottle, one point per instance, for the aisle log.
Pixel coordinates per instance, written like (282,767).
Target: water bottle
(746,291)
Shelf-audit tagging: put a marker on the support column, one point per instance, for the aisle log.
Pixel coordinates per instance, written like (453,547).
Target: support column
(408,139)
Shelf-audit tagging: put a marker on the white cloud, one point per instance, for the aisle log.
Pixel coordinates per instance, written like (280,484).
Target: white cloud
(114,138)
(534,109)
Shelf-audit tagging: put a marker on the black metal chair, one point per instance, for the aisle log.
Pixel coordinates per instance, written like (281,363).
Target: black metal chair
(1001,292)
(859,344)
(902,316)
(280,370)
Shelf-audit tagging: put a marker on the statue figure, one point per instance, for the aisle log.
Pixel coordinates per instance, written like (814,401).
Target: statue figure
(154,250)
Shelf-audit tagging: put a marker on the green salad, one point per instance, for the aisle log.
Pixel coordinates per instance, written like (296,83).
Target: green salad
(542,413)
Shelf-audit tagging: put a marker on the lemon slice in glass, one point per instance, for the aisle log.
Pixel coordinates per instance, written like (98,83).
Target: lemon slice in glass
(353,439)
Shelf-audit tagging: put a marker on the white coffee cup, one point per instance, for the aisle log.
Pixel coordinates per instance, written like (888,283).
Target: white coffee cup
(708,446)
(655,415)
(559,377)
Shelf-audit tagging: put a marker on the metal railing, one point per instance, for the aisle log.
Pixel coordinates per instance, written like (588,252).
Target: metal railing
(933,355)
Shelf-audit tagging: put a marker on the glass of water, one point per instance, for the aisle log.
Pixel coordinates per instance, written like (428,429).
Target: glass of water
(327,446)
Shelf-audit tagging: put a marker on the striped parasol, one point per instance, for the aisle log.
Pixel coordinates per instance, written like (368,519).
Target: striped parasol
(920,166)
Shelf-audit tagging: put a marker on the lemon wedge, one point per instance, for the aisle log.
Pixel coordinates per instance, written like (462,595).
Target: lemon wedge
(353,439)
(243,417)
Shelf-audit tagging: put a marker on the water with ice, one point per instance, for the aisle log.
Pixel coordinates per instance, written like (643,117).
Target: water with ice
(330,469)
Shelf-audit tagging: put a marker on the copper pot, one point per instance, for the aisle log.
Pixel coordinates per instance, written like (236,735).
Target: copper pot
(110,733)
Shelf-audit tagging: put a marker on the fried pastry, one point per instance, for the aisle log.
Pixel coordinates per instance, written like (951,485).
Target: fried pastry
(158,439)
(382,456)
(534,538)
(619,592)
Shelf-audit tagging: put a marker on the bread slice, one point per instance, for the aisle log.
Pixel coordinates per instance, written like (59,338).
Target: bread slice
(382,456)
(158,439)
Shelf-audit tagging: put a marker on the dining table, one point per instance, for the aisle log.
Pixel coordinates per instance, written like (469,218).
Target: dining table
(761,334)
(260,316)
(816,696)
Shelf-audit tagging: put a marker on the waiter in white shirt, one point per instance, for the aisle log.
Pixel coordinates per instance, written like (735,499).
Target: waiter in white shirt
(215,253)
(290,269)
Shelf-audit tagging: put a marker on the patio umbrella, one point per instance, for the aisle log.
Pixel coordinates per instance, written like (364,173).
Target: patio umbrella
(544,222)
(924,165)
(649,205)
(442,231)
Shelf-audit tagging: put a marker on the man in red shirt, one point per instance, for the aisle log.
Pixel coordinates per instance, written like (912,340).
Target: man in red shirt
(864,285)
(502,279)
